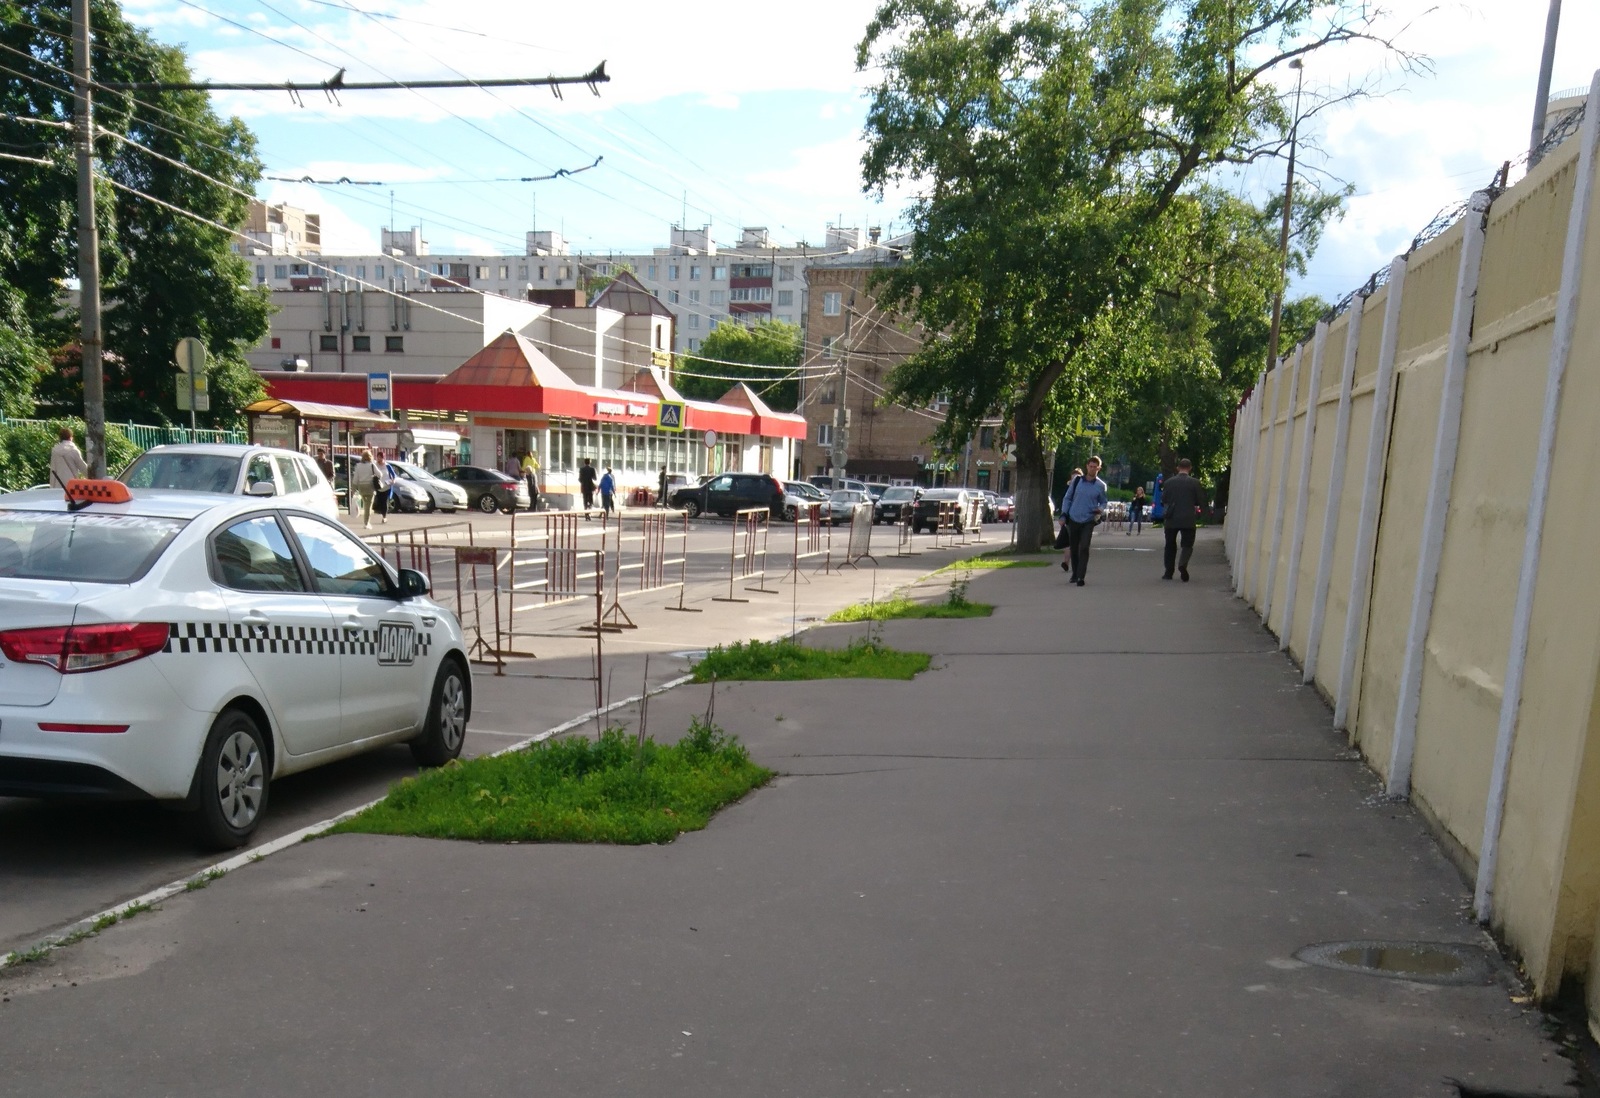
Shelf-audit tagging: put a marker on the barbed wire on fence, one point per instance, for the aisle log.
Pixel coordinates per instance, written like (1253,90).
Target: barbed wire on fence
(1566,126)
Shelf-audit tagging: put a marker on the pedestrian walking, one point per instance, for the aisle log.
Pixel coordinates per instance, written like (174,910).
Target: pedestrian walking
(586,484)
(325,465)
(370,479)
(1136,508)
(1082,508)
(530,473)
(608,491)
(1182,497)
(661,492)
(66,460)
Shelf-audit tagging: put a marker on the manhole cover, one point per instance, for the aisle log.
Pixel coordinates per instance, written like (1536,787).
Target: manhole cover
(1423,962)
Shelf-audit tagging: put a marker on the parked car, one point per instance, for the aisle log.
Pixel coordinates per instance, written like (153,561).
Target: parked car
(842,505)
(991,505)
(407,495)
(208,645)
(876,491)
(892,505)
(1006,509)
(831,484)
(797,494)
(729,492)
(437,495)
(487,490)
(290,478)
(926,511)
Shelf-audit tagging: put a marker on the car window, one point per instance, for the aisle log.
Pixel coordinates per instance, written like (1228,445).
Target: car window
(288,474)
(184,472)
(253,555)
(340,565)
(259,471)
(86,547)
(310,475)
(721,484)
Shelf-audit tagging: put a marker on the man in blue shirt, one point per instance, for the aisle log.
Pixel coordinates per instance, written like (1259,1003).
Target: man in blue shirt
(1081,507)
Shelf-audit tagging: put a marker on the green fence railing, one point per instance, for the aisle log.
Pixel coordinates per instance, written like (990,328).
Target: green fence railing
(145,436)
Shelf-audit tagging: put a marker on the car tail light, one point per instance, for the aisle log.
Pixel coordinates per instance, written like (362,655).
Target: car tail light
(72,649)
(110,729)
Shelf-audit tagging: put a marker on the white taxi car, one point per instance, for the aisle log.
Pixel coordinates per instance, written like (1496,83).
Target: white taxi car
(192,647)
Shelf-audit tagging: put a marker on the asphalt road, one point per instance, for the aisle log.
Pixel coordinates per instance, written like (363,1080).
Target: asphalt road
(63,861)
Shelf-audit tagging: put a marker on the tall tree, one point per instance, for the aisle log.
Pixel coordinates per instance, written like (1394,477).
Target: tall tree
(724,353)
(1056,148)
(165,275)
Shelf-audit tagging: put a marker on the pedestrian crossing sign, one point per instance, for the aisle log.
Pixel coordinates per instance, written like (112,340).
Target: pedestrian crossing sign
(670,418)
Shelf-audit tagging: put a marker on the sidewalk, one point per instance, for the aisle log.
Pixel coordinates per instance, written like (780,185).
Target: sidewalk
(1076,857)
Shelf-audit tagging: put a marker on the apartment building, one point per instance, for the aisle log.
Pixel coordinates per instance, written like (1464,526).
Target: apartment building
(279,230)
(883,442)
(702,283)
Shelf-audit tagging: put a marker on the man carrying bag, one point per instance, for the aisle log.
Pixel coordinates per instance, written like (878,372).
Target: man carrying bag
(1082,509)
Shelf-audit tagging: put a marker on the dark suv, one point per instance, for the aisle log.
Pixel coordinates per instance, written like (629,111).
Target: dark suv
(729,492)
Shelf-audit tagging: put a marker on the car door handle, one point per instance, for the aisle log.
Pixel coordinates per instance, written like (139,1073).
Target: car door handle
(255,621)
(352,627)
(429,619)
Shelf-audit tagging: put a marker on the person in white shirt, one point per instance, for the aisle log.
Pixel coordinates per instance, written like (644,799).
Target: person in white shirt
(66,461)
(369,479)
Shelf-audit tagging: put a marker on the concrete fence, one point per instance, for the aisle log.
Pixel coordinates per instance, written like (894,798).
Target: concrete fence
(1416,516)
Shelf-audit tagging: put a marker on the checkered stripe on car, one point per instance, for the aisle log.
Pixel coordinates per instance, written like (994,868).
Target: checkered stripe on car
(195,637)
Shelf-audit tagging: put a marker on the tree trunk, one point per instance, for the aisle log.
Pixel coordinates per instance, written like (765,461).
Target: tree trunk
(1033,486)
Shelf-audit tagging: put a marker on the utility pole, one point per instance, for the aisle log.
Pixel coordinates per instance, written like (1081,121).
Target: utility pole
(94,397)
(838,453)
(1541,97)
(1288,206)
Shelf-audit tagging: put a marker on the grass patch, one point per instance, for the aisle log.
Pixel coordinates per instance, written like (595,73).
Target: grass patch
(195,884)
(900,607)
(611,790)
(996,562)
(786,661)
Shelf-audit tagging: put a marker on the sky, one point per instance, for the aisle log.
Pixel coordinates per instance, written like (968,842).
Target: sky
(756,120)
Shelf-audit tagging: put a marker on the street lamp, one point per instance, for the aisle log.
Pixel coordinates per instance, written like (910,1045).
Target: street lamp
(1288,205)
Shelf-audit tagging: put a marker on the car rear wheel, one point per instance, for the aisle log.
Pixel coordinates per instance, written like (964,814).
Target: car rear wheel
(445,730)
(487,503)
(230,787)
(691,508)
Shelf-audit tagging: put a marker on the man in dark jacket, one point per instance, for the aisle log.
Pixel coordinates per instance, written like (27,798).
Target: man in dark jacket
(1183,497)
(586,479)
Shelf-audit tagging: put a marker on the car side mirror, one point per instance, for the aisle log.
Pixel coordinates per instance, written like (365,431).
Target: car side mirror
(413,584)
(262,488)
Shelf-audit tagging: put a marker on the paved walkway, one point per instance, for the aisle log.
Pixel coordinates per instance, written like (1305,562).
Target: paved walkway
(1076,857)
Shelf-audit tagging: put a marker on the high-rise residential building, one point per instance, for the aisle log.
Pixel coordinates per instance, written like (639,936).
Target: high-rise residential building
(702,283)
(279,230)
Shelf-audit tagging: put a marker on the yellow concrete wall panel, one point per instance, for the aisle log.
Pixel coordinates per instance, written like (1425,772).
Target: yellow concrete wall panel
(1430,292)
(1344,545)
(1371,336)
(1405,497)
(1316,511)
(1524,241)
(1465,660)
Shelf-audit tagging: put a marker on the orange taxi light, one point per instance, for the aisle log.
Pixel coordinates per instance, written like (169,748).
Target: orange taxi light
(83,490)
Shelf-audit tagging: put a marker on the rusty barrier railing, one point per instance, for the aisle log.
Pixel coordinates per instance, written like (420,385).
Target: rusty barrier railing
(812,538)
(655,558)
(747,552)
(418,547)
(904,532)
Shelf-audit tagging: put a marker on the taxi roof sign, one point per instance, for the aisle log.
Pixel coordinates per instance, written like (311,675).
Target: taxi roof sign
(84,490)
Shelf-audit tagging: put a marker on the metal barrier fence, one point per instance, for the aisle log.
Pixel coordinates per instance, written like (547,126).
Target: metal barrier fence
(811,539)
(904,533)
(747,552)
(145,436)
(660,534)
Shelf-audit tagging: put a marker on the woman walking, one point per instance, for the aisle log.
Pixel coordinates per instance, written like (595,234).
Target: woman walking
(370,479)
(1136,508)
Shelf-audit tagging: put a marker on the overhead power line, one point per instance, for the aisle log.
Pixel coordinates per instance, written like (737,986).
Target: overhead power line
(337,83)
(345,180)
